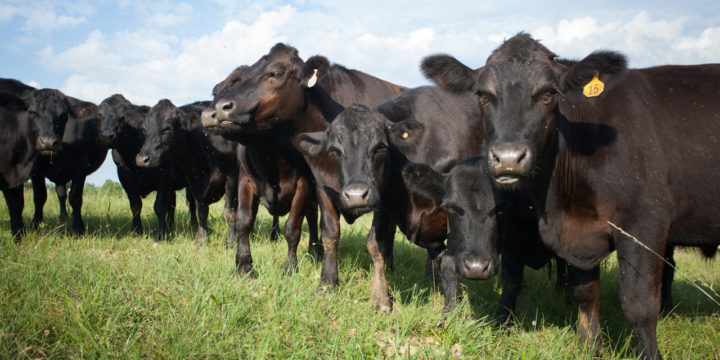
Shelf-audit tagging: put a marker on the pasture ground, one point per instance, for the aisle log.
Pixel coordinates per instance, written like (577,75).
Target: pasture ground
(110,294)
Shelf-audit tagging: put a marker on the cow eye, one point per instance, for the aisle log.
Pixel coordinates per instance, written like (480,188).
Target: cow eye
(334,152)
(276,74)
(549,96)
(166,132)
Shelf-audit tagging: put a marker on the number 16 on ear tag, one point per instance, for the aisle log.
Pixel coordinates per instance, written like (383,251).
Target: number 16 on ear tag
(595,87)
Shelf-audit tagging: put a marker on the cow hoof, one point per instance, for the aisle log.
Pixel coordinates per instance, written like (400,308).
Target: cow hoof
(246,271)
(290,267)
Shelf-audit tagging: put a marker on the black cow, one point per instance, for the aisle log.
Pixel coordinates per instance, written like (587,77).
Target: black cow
(372,148)
(79,153)
(283,95)
(21,139)
(598,148)
(271,169)
(174,140)
(483,223)
(121,130)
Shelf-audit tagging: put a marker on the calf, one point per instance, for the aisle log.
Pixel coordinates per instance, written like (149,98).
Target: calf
(271,169)
(121,130)
(79,154)
(174,140)
(600,149)
(22,138)
(285,96)
(483,223)
(371,149)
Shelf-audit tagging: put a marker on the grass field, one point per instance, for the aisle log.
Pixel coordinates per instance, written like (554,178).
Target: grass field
(110,294)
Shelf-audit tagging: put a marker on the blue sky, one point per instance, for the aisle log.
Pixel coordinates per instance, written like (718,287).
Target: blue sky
(150,50)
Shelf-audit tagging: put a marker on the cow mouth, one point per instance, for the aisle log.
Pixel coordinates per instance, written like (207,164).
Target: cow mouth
(351,214)
(507,179)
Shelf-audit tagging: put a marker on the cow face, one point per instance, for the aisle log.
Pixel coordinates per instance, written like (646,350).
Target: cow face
(269,93)
(48,107)
(472,223)
(360,141)
(520,89)
(113,111)
(163,130)
(518,93)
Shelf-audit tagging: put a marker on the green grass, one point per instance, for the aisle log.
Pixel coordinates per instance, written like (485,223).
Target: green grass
(110,294)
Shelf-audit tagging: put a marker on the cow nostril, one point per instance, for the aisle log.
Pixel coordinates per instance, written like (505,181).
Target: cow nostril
(495,160)
(228,106)
(522,156)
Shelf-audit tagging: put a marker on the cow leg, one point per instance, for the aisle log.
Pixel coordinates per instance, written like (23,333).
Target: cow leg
(293,225)
(585,288)
(76,201)
(61,192)
(511,278)
(330,234)
(172,205)
(202,216)
(377,244)
(641,274)
(162,204)
(275,228)
(666,301)
(450,281)
(39,198)
(134,198)
(230,209)
(315,247)
(248,201)
(387,245)
(192,205)
(15,202)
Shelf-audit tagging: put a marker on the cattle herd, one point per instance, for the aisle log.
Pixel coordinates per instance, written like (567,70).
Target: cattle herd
(526,160)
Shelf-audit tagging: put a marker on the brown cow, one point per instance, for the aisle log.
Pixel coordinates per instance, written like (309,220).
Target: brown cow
(283,95)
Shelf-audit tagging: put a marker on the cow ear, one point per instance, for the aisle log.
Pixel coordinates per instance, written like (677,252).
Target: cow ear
(404,131)
(448,73)
(599,63)
(311,143)
(314,68)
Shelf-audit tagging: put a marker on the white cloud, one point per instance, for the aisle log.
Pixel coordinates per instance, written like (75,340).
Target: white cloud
(147,66)
(7,12)
(646,41)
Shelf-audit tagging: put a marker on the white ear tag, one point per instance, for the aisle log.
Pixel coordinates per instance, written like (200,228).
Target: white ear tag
(313,79)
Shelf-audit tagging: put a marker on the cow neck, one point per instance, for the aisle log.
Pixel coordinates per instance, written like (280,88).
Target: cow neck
(395,198)
(319,111)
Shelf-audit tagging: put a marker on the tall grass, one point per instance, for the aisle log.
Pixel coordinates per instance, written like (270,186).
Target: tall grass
(110,294)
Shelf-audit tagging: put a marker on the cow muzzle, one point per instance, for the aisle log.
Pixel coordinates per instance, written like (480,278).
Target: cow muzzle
(142,160)
(46,145)
(356,196)
(209,118)
(508,162)
(476,267)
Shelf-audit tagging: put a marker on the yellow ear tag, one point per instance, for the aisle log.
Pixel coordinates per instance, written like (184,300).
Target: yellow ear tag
(405,135)
(595,87)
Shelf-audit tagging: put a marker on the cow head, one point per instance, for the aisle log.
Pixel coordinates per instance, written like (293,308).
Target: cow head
(164,136)
(519,90)
(472,223)
(360,141)
(113,113)
(39,131)
(269,93)
(45,107)
(209,117)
